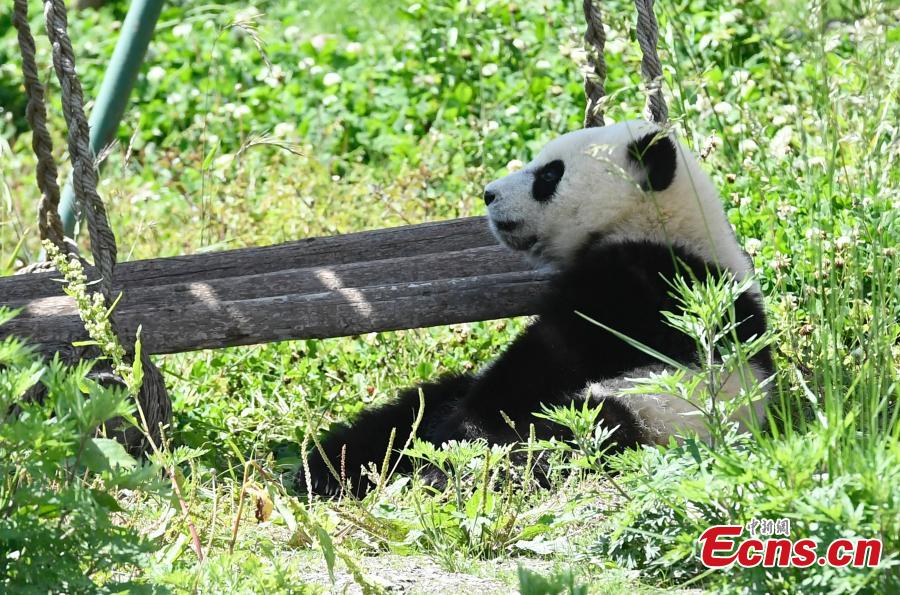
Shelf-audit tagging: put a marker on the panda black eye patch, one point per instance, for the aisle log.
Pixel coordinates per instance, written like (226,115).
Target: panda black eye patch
(546,179)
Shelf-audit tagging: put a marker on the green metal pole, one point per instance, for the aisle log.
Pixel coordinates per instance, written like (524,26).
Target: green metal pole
(137,30)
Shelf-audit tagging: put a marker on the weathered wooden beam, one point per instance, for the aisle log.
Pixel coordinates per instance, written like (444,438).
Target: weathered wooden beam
(391,279)
(380,244)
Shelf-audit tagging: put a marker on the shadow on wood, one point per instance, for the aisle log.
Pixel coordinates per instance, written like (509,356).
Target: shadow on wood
(388,279)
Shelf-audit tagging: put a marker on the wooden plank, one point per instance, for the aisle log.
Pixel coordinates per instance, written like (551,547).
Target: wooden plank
(487,260)
(424,238)
(406,277)
(348,311)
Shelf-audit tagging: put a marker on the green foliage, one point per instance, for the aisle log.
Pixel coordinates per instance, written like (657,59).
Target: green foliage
(558,583)
(677,493)
(253,126)
(60,486)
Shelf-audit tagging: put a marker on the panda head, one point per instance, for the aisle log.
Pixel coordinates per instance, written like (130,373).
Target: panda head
(626,181)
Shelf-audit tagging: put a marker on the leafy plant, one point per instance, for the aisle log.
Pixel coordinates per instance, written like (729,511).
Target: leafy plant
(60,486)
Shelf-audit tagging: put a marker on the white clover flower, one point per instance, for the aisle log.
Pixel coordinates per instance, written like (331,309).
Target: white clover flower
(780,144)
(723,107)
(224,161)
(329,99)
(814,232)
(354,47)
(579,55)
(452,36)
(739,77)
(156,74)
(748,145)
(489,69)
(182,29)
(843,241)
(174,98)
(318,41)
(727,18)
(542,65)
(514,165)
(284,129)
(518,44)
(752,246)
(331,79)
(512,110)
(316,70)
(241,111)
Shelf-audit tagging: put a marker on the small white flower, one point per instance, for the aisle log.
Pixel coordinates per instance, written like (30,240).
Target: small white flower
(331,79)
(354,47)
(814,232)
(452,37)
(329,99)
(318,41)
(752,246)
(182,30)
(748,145)
(518,44)
(489,69)
(241,111)
(542,65)
(156,74)
(843,242)
(284,129)
(491,126)
(223,161)
(727,18)
(174,98)
(316,70)
(579,56)
(723,107)
(781,142)
(512,110)
(739,77)
(514,165)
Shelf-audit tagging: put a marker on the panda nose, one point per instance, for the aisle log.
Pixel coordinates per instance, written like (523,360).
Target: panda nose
(489,196)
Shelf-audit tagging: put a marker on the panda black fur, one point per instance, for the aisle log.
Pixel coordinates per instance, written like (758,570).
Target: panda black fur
(619,212)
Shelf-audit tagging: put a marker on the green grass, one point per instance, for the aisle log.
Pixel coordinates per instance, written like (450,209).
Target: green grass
(796,105)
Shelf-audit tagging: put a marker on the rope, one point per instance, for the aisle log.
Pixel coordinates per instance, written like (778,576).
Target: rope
(84,176)
(49,223)
(647,36)
(594,79)
(655,109)
(152,397)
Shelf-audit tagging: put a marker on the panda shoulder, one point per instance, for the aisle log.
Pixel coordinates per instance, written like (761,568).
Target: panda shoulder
(630,275)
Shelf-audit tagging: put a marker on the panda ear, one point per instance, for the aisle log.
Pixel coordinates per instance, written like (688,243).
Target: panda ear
(656,156)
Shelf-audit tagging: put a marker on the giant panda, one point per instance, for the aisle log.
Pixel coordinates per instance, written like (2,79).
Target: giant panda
(617,212)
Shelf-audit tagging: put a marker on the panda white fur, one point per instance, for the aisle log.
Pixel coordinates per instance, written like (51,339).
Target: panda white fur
(618,212)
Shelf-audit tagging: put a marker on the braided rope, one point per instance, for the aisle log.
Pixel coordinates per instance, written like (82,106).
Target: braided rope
(152,397)
(49,223)
(84,175)
(651,68)
(655,109)
(594,79)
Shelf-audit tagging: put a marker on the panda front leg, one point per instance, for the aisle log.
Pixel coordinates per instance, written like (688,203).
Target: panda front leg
(351,447)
